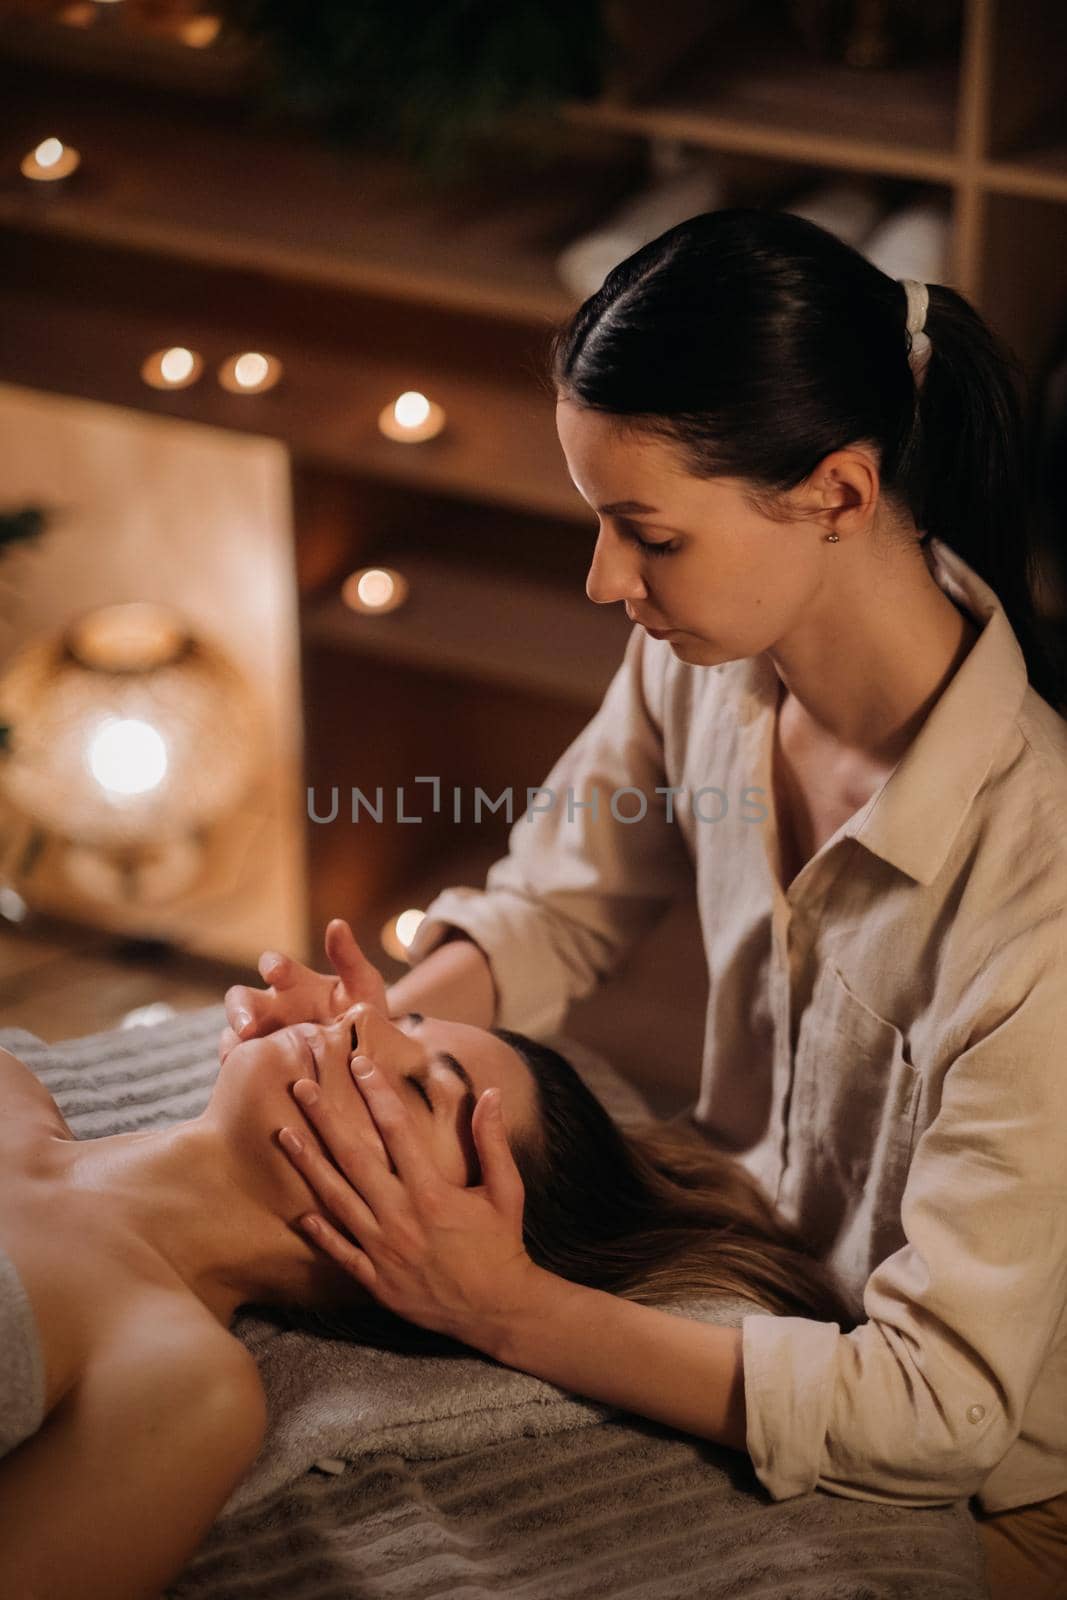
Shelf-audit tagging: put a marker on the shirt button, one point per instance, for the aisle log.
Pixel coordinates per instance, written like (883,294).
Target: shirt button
(975,1413)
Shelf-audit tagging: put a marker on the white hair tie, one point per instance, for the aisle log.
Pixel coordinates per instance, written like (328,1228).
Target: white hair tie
(918,296)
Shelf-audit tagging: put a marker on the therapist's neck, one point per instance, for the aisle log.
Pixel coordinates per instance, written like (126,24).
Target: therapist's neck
(876,648)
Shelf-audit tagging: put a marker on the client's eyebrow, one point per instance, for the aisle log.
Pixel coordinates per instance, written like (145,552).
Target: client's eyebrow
(416,1017)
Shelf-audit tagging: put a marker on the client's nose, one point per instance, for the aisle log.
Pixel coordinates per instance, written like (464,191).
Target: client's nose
(373,1030)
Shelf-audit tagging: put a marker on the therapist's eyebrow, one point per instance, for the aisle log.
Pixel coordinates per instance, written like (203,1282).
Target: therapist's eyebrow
(627,508)
(416,1017)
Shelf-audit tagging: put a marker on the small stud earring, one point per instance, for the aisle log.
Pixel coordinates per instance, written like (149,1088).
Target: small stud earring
(832,538)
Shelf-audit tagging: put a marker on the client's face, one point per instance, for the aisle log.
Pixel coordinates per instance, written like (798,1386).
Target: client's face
(437,1068)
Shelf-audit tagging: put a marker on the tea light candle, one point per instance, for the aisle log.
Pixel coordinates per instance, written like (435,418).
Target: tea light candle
(251,372)
(398,933)
(50,161)
(374,590)
(411,418)
(175,368)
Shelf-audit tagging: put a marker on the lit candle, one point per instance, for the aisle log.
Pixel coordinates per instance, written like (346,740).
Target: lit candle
(411,418)
(374,590)
(51,160)
(399,932)
(250,373)
(174,368)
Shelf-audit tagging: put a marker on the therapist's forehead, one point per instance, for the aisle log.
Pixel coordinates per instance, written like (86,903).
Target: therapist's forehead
(612,459)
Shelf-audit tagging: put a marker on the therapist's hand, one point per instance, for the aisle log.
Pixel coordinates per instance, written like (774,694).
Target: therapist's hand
(447,1256)
(297,994)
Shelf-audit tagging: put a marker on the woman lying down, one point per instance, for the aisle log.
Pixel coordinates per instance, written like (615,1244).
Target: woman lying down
(129,1411)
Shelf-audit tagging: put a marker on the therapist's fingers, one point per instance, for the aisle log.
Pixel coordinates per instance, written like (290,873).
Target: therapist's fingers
(227,1040)
(333,1188)
(247,1010)
(356,1262)
(415,1166)
(368,1169)
(359,977)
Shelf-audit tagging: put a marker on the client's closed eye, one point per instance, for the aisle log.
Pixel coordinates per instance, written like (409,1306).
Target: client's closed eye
(421,1089)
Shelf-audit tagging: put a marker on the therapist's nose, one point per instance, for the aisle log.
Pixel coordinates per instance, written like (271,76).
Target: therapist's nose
(613,572)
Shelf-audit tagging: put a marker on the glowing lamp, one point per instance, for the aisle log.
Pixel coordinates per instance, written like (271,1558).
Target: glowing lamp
(374,590)
(50,161)
(411,418)
(130,737)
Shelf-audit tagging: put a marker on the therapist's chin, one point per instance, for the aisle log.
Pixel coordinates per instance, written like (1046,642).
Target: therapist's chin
(699,651)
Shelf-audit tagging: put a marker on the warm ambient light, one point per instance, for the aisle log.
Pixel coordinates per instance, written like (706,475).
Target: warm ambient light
(250,373)
(399,932)
(374,590)
(130,738)
(175,368)
(127,756)
(199,32)
(132,636)
(411,418)
(52,159)
(13,907)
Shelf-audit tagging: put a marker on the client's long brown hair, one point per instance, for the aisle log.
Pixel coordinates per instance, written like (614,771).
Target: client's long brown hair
(653,1212)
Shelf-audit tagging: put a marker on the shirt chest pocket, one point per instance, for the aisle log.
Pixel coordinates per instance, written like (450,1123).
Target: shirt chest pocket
(855,1100)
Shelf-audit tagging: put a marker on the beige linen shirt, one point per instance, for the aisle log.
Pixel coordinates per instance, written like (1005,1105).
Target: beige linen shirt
(885,1047)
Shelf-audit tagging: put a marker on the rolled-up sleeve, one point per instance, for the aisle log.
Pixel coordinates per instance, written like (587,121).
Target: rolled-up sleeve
(918,1404)
(589,869)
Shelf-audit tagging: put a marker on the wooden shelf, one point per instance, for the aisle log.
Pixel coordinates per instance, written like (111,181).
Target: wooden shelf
(760,96)
(494,627)
(210,194)
(90,336)
(1039,175)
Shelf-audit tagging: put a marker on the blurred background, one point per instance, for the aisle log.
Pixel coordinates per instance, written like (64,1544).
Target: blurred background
(282,508)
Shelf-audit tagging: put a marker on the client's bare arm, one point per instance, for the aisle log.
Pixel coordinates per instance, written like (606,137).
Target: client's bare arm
(117,1490)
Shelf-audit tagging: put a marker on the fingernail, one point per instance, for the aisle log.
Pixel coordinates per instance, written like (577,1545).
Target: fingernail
(305,1091)
(271,959)
(312,1224)
(368,1072)
(242,1020)
(289,1139)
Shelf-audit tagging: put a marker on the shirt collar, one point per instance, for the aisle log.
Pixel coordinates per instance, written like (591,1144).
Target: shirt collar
(912,820)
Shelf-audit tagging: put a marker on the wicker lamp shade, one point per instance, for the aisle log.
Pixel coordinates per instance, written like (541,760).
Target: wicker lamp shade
(128,732)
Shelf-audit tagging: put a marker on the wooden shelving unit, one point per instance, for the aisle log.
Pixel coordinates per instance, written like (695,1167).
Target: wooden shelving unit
(192,222)
(483,626)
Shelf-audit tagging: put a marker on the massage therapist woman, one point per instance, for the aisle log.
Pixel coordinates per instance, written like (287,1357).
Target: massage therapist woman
(808,479)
